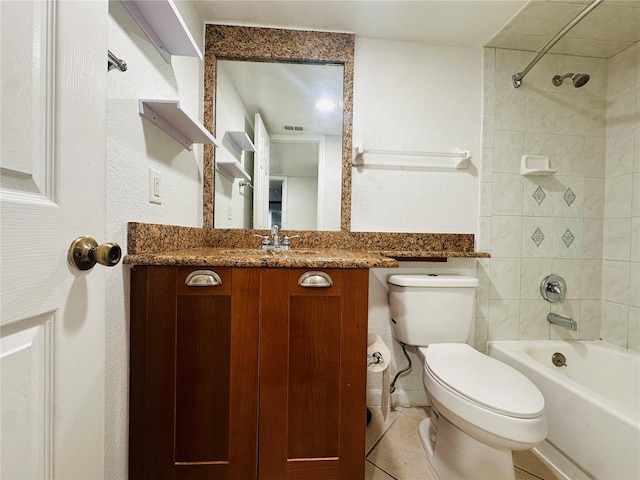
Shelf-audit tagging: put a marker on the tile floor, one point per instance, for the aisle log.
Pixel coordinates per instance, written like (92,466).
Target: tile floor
(394,450)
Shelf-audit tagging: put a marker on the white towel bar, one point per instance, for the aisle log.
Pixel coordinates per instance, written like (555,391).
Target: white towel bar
(362,157)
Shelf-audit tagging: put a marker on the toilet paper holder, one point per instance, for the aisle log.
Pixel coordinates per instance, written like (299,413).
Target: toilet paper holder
(375,358)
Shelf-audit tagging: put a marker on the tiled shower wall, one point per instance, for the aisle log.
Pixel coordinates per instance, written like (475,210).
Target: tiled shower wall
(621,249)
(536,225)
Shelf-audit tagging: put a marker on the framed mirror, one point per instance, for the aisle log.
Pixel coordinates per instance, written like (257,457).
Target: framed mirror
(309,157)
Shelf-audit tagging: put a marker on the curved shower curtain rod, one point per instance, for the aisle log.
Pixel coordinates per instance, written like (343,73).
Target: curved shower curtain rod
(517,77)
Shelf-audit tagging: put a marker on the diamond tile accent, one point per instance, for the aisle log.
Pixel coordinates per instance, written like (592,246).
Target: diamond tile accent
(568,238)
(537,237)
(569,196)
(539,195)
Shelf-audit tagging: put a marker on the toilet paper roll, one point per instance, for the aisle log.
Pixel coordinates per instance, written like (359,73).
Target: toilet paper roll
(376,345)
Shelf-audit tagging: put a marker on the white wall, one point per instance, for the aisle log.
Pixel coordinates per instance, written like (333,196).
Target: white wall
(416,97)
(133,145)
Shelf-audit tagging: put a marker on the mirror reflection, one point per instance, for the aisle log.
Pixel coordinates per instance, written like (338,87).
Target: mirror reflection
(280,161)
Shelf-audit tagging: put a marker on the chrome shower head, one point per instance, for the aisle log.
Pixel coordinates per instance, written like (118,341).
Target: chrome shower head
(578,79)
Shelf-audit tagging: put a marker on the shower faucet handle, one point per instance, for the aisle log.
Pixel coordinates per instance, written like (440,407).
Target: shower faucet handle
(553,288)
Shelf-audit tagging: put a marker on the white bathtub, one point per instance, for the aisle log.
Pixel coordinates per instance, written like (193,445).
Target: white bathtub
(592,403)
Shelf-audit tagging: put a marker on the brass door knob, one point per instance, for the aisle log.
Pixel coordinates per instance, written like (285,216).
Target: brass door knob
(85,252)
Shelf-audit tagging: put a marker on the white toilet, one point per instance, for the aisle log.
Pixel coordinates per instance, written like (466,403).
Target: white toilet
(481,409)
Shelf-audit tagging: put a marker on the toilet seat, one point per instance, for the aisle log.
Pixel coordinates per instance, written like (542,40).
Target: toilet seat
(483,380)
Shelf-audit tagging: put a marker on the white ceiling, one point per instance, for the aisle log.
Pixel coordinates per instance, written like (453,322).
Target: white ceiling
(443,22)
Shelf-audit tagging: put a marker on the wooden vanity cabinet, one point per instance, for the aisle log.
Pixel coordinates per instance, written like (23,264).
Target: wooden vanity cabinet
(256,378)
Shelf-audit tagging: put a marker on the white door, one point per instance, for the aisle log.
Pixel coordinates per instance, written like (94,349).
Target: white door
(261,175)
(52,190)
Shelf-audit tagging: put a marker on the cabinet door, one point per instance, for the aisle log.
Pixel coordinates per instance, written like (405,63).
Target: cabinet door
(194,375)
(313,376)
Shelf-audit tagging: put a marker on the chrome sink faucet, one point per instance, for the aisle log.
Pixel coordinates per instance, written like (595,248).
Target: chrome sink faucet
(275,237)
(274,243)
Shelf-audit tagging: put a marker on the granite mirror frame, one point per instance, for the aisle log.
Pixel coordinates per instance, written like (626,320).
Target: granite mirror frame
(276,45)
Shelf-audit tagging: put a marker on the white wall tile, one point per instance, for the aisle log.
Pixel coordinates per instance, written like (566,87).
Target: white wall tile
(486,190)
(618,196)
(504,319)
(480,334)
(589,320)
(537,237)
(636,150)
(595,151)
(634,255)
(591,281)
(571,271)
(484,234)
(508,149)
(617,239)
(540,112)
(592,231)
(509,109)
(532,273)
(486,167)
(506,236)
(622,71)
(615,281)
(595,116)
(571,114)
(508,62)
(614,323)
(633,334)
(593,193)
(634,284)
(569,197)
(538,196)
(507,194)
(537,143)
(505,278)
(533,320)
(570,155)
(635,200)
(620,152)
(567,241)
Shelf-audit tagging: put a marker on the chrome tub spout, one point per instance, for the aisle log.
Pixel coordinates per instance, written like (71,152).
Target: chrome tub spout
(568,323)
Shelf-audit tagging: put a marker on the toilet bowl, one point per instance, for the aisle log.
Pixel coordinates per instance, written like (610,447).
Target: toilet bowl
(482,409)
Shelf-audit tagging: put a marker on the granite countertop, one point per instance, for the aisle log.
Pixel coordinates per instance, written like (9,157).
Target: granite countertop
(157,244)
(239,257)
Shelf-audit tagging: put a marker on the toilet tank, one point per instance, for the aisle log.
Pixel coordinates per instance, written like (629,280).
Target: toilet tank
(430,308)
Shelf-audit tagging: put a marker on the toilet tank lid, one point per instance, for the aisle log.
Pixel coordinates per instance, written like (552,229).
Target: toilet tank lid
(432,280)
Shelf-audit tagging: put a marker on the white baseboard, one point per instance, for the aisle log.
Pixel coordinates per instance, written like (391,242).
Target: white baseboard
(399,398)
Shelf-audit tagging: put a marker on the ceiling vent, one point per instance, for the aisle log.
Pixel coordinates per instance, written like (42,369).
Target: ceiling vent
(295,128)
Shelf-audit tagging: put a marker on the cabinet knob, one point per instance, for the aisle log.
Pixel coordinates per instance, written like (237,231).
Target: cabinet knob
(315,280)
(203,278)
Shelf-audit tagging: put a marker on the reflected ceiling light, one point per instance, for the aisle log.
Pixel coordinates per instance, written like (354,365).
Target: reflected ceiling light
(325,104)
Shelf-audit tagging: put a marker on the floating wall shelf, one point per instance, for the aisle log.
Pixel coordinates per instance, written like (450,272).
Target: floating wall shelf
(240,141)
(161,21)
(175,121)
(232,169)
